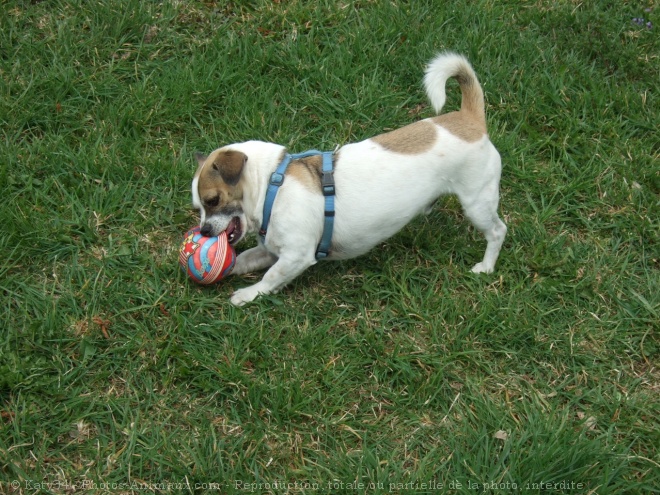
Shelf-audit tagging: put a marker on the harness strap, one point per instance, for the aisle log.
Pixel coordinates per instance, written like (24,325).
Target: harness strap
(327,186)
(276,180)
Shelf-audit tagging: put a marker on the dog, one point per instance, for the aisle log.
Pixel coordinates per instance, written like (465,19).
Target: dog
(381,184)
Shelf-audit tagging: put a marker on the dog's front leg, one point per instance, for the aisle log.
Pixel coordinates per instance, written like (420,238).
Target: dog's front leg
(253,260)
(285,269)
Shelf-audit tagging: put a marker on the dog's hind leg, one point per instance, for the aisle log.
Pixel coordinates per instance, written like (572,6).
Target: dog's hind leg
(483,215)
(494,233)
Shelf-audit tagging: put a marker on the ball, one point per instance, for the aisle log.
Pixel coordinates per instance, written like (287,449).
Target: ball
(206,260)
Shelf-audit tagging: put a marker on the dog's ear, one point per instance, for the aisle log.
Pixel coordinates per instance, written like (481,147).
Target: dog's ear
(230,166)
(201,158)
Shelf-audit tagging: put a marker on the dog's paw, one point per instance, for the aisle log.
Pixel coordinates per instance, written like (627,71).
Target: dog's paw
(482,268)
(243,296)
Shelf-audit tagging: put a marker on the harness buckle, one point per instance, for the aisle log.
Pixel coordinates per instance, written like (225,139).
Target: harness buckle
(328,183)
(276,179)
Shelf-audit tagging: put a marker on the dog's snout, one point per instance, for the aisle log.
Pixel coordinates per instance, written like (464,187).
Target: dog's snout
(206,230)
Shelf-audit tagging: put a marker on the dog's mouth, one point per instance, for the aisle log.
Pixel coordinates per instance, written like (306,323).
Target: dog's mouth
(234,231)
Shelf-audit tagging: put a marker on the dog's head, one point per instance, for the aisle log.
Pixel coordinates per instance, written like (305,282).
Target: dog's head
(217,191)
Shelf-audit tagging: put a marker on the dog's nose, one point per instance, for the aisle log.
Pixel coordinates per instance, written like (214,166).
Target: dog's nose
(206,230)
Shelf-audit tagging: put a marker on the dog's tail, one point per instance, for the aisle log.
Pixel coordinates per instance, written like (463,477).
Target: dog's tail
(447,65)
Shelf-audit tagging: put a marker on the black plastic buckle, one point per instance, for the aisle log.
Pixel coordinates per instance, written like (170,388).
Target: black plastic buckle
(328,183)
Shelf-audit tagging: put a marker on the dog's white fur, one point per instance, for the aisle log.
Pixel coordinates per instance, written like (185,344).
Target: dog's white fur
(381,184)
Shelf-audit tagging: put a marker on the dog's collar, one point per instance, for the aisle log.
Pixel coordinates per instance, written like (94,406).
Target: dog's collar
(327,186)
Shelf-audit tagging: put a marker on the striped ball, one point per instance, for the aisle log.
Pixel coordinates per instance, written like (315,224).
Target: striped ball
(206,260)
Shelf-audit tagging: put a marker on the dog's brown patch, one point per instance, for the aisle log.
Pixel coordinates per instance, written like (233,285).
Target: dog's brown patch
(307,171)
(219,179)
(472,96)
(229,164)
(462,125)
(412,139)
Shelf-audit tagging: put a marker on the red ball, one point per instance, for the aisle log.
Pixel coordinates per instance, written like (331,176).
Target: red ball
(206,260)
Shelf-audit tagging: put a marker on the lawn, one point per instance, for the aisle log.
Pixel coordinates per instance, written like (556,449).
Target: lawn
(397,372)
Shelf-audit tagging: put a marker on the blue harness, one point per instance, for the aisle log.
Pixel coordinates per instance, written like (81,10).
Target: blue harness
(327,185)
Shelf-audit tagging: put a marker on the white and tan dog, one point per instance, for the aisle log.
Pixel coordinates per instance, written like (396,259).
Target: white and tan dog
(381,184)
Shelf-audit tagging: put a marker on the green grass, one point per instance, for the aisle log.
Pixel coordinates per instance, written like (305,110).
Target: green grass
(398,372)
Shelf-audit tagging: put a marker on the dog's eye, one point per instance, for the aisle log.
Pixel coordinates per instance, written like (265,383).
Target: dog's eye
(213,202)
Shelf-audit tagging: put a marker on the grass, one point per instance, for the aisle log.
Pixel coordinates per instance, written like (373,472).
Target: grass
(398,372)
